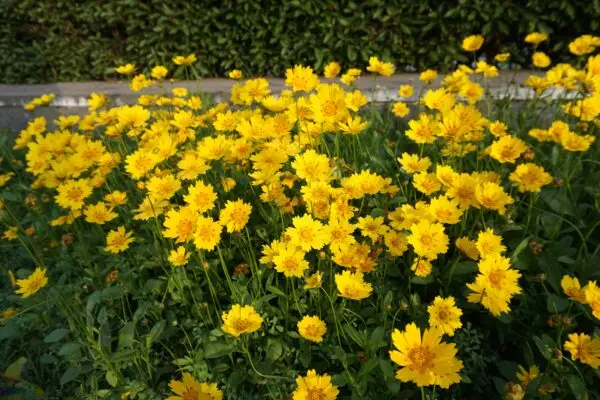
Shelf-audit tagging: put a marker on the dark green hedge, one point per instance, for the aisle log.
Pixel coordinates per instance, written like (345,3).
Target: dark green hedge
(62,40)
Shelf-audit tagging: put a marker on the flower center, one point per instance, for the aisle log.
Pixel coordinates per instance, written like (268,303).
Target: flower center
(421,357)
(315,394)
(190,394)
(240,325)
(496,277)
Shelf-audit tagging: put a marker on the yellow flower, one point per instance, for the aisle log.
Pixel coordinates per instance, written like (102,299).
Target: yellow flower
(190,389)
(583,348)
(116,198)
(530,177)
(312,328)
(72,193)
(181,60)
(405,91)
(412,163)
(33,283)
(312,166)
(352,285)
(488,243)
(180,224)
(314,281)
(540,60)
(339,232)
(301,79)
(592,297)
(492,196)
(235,74)
(428,76)
(353,126)
(400,109)
(179,257)
(570,285)
(315,387)
(126,69)
(96,101)
(371,227)
(379,67)
(444,314)
(426,183)
(439,99)
(207,234)
(99,213)
(159,72)
(502,57)
(428,239)
(421,130)
(235,215)
(421,267)
(7,314)
(163,187)
(332,69)
(241,320)
(307,233)
(140,162)
(467,247)
(535,38)
(396,242)
(355,100)
(445,211)
(472,43)
(118,240)
(12,233)
(425,360)
(290,261)
(507,149)
(584,44)
(525,377)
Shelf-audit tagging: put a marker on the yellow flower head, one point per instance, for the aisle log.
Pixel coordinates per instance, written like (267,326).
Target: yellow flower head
(190,389)
(540,59)
(208,233)
(488,243)
(426,183)
(379,67)
(290,261)
(507,149)
(405,91)
(314,387)
(570,285)
(583,348)
(241,320)
(126,69)
(396,242)
(235,74)
(428,239)
(352,285)
(428,76)
(592,297)
(72,193)
(444,210)
(444,314)
(355,100)
(301,79)
(116,198)
(118,240)
(99,213)
(180,224)
(307,233)
(163,187)
(332,69)
(412,163)
(312,328)
(425,360)
(400,109)
(312,166)
(179,257)
(235,215)
(530,177)
(159,72)
(314,281)
(524,376)
(181,60)
(421,267)
(33,283)
(467,247)
(502,57)
(536,38)
(491,195)
(372,227)
(472,43)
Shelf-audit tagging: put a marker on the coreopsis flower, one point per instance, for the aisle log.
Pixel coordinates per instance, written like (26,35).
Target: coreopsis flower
(159,72)
(332,70)
(592,297)
(328,106)
(445,315)
(179,257)
(536,38)
(96,100)
(314,281)
(132,116)
(99,213)
(428,76)
(507,149)
(235,74)
(584,44)
(488,243)
(312,166)
(355,100)
(190,389)
(530,177)
(118,240)
(379,67)
(471,91)
(572,288)
(347,79)
(149,209)
(353,126)
(201,197)
(540,59)
(351,285)
(163,187)
(428,239)
(116,198)
(207,234)
(126,69)
(584,348)
(315,387)
(241,320)
(396,242)
(467,247)
(495,284)
(400,109)
(439,99)
(307,233)
(421,267)
(526,376)
(446,211)
(12,233)
(33,283)
(425,360)
(290,261)
(301,79)
(405,91)
(412,163)
(180,224)
(502,57)
(312,328)
(426,183)
(140,162)
(372,227)
(492,196)
(472,43)
(421,130)
(234,216)
(339,231)
(185,60)
(72,193)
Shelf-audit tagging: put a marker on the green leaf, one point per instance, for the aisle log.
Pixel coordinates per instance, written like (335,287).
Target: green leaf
(111,378)
(56,335)
(275,290)
(155,332)
(522,246)
(577,386)
(126,335)
(217,349)
(465,267)
(508,369)
(556,304)
(274,350)
(367,367)
(70,374)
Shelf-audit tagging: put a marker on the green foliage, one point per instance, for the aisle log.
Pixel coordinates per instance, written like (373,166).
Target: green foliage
(66,40)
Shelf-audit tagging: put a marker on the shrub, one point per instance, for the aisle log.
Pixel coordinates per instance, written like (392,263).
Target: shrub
(265,37)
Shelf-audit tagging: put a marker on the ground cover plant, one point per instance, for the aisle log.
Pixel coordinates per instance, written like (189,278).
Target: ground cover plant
(310,245)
